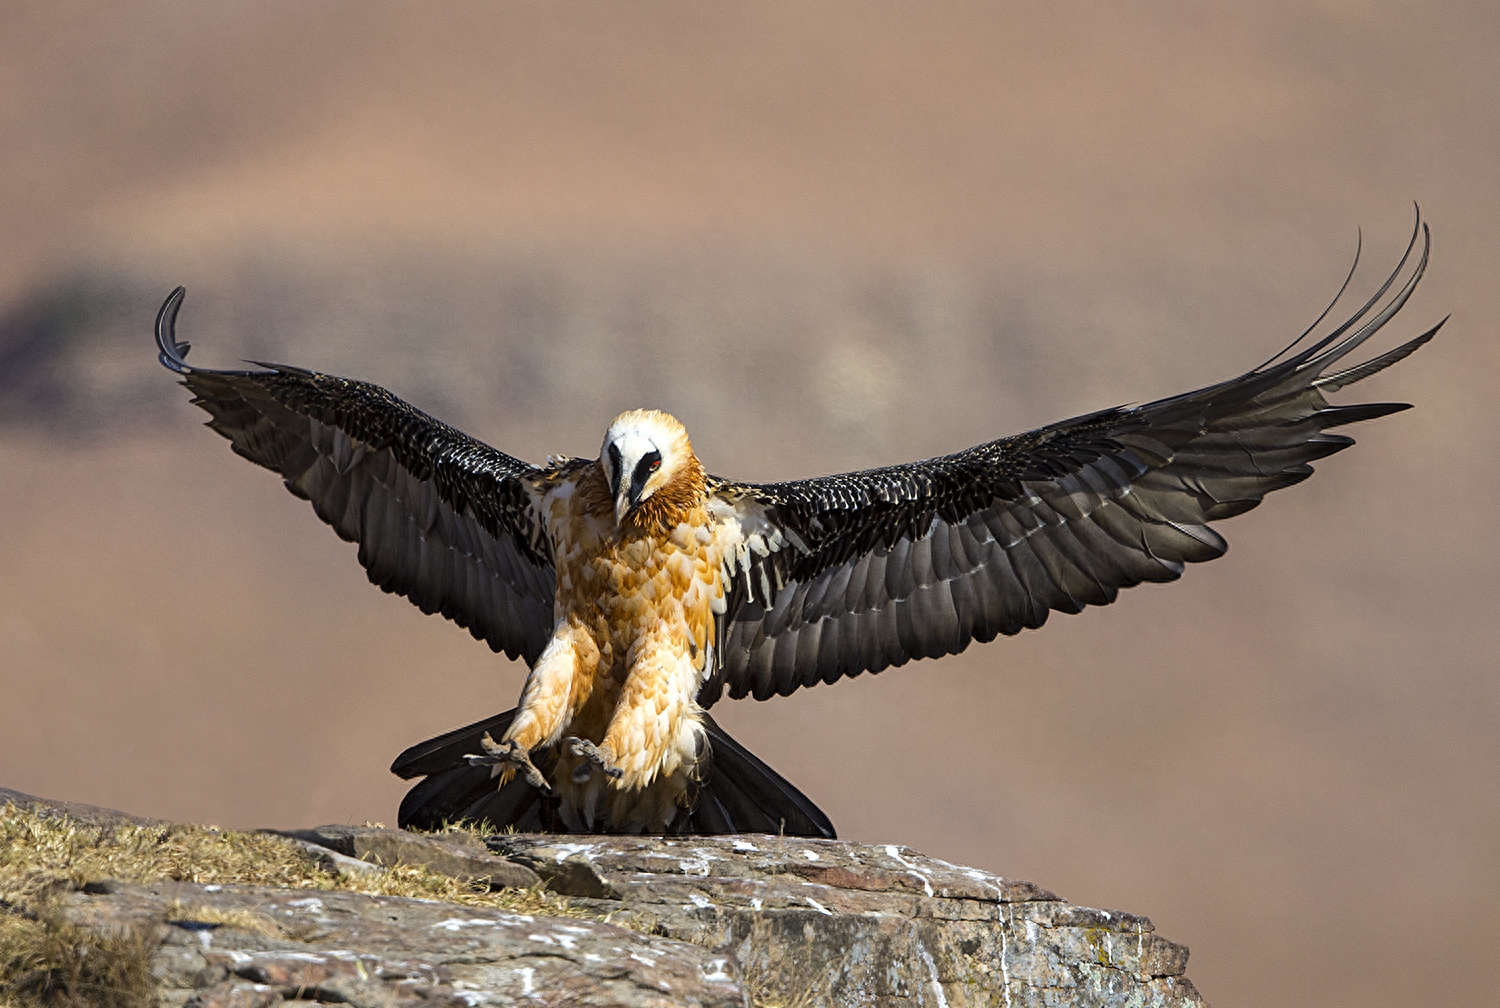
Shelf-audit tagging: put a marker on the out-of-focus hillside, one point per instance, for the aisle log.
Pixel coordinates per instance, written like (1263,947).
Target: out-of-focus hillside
(826,236)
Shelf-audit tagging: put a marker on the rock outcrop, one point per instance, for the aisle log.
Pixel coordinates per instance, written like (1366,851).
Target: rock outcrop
(705,921)
(233,946)
(829,922)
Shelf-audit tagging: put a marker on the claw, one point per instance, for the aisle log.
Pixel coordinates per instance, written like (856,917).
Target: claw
(509,754)
(592,753)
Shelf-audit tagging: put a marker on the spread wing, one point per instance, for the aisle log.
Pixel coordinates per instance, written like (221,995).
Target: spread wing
(851,573)
(439,517)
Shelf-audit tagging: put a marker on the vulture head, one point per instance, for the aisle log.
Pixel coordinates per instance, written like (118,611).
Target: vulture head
(649,465)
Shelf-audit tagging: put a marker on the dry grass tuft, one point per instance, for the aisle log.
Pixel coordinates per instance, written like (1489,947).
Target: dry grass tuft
(422,883)
(40,852)
(480,829)
(45,962)
(241,918)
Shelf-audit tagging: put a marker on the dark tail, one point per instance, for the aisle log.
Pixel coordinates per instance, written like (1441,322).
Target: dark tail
(741,795)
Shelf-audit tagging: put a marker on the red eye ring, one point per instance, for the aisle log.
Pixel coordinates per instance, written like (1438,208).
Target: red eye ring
(656,465)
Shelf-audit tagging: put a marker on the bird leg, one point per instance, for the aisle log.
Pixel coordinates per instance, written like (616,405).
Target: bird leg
(510,754)
(652,729)
(592,753)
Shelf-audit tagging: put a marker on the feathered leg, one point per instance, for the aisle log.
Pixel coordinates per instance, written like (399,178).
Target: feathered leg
(656,726)
(559,684)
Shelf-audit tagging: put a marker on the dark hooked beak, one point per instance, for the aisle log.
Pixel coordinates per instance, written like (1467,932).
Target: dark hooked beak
(625,495)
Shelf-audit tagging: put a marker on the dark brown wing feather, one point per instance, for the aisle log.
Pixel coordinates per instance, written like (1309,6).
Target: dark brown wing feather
(915,561)
(439,517)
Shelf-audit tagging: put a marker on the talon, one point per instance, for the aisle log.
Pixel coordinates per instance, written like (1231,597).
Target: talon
(509,754)
(592,753)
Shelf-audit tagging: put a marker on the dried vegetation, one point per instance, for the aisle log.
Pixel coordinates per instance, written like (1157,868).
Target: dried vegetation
(45,962)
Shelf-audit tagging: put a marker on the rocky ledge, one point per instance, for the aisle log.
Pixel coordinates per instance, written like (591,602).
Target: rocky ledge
(708,921)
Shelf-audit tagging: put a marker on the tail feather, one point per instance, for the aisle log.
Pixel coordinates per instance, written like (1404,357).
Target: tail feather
(740,795)
(524,808)
(448,749)
(746,788)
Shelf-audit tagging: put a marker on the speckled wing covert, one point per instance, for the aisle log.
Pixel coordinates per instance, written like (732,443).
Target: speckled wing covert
(856,572)
(439,517)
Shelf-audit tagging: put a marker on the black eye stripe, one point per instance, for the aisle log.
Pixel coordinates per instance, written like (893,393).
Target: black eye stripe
(614,469)
(648,462)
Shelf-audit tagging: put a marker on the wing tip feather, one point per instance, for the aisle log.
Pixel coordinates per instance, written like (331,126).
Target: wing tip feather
(171,352)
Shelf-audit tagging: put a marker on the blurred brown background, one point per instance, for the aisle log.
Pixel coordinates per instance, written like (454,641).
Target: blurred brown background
(826,236)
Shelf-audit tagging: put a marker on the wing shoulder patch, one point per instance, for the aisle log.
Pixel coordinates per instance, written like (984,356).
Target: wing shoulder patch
(758,551)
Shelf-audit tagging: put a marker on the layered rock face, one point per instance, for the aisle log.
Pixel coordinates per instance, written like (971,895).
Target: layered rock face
(711,921)
(829,922)
(254,947)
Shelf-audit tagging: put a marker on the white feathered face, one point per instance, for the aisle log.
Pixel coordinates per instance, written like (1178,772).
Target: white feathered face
(643,450)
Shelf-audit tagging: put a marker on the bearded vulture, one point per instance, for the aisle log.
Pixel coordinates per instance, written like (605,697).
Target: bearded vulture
(639,589)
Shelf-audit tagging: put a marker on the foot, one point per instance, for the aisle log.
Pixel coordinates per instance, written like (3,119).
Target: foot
(510,754)
(592,753)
